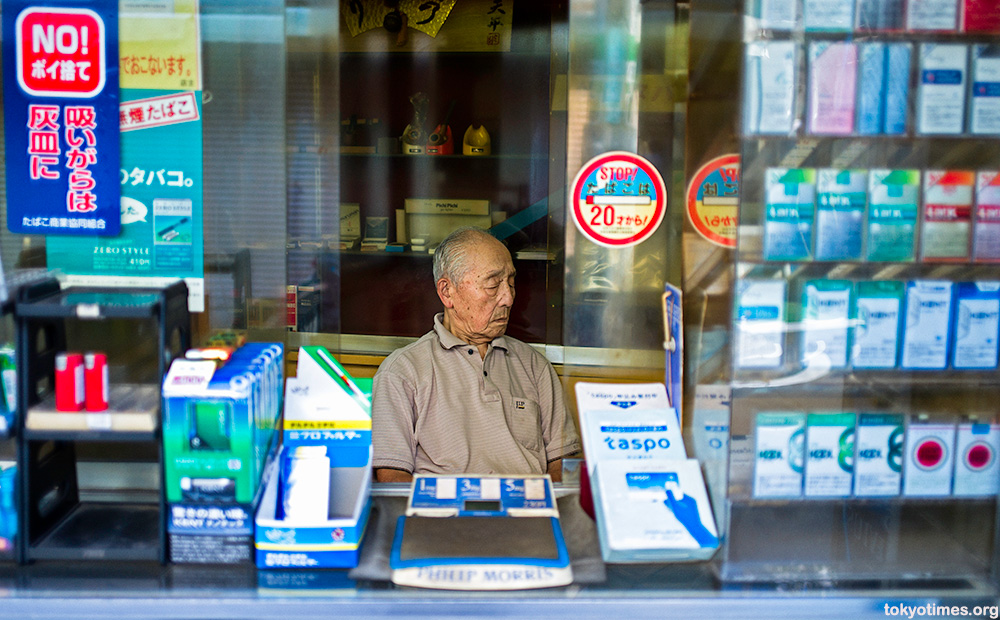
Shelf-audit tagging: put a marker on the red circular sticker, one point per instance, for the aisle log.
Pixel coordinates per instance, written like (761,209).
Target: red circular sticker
(930,453)
(979,456)
(618,199)
(713,200)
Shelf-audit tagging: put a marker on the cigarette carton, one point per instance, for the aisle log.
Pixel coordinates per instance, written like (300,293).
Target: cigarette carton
(879,308)
(779,457)
(977,473)
(926,337)
(930,458)
(829,454)
(878,456)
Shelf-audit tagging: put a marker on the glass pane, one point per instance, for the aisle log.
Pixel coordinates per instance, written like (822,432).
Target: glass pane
(627,61)
(436,133)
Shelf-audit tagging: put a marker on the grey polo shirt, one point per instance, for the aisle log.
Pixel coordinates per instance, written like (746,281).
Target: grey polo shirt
(438,408)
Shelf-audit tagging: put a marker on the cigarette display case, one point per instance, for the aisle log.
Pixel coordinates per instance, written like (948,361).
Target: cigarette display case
(865,297)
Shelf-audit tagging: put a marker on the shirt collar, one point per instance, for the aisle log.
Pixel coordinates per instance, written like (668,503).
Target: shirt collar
(449,340)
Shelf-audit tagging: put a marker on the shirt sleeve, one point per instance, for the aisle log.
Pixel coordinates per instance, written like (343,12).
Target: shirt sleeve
(558,428)
(393,442)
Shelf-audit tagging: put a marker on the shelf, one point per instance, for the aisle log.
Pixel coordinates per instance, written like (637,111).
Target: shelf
(843,381)
(133,415)
(860,269)
(97,303)
(357,155)
(431,158)
(542,257)
(406,254)
(98,531)
(884,501)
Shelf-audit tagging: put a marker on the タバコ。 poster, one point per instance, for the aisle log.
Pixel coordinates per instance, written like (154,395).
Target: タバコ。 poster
(160,176)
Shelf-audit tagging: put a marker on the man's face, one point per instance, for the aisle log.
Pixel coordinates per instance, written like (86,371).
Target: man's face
(482,299)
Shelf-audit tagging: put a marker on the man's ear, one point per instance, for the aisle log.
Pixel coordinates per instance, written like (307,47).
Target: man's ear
(444,291)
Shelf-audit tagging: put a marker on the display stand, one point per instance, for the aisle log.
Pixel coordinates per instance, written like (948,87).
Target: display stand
(10,488)
(58,521)
(858,229)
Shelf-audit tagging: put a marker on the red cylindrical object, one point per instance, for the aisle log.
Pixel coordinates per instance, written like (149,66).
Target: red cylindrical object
(95,377)
(69,382)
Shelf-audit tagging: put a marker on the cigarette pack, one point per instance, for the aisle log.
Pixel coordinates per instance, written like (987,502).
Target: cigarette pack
(897,87)
(977,325)
(927,331)
(871,88)
(833,77)
(779,455)
(840,213)
(941,88)
(879,307)
(826,309)
(760,316)
(977,473)
(790,211)
(828,15)
(776,14)
(986,227)
(937,15)
(769,106)
(984,112)
(947,216)
(981,16)
(930,459)
(892,214)
(829,454)
(879,15)
(878,455)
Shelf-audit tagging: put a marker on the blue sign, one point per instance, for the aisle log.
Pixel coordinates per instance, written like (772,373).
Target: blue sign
(60,66)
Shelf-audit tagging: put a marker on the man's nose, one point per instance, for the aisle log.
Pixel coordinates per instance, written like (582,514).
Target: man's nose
(506,294)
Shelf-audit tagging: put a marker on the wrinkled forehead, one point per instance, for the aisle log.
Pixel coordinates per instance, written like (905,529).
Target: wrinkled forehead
(490,260)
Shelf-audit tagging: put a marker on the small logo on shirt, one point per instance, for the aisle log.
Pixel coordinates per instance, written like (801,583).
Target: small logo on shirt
(518,404)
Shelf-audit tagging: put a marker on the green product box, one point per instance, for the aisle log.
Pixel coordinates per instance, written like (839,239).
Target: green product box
(219,424)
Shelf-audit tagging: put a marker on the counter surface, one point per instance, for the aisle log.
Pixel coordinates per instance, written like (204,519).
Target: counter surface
(690,590)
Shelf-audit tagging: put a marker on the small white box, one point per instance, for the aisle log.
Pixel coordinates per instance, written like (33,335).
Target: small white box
(977,472)
(930,458)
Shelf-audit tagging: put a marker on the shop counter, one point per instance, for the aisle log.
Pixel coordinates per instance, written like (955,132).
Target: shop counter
(684,590)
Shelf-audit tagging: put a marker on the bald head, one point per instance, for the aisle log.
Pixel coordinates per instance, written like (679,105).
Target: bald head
(455,254)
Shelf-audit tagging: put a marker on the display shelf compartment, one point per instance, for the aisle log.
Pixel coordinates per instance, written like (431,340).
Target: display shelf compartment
(96,303)
(984,502)
(860,382)
(849,541)
(133,414)
(457,156)
(103,531)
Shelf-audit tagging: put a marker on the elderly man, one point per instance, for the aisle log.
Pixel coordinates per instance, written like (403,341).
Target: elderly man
(465,398)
